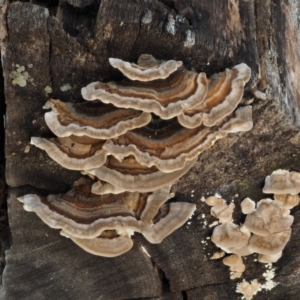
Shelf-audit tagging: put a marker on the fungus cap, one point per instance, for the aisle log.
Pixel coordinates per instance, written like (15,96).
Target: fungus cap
(165,98)
(271,244)
(230,237)
(170,148)
(220,209)
(103,246)
(178,213)
(128,175)
(225,92)
(147,69)
(247,206)
(268,259)
(235,262)
(218,254)
(268,218)
(102,225)
(71,154)
(282,182)
(93,119)
(248,289)
(287,201)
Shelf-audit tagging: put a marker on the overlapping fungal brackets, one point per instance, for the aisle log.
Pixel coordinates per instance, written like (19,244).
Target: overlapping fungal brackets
(136,137)
(102,225)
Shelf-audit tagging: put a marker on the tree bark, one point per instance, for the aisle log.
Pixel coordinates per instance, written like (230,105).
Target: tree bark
(69,42)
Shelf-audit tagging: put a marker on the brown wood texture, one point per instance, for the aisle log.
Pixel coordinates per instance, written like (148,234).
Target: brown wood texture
(69,42)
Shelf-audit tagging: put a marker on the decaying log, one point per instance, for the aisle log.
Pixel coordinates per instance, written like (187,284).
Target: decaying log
(65,47)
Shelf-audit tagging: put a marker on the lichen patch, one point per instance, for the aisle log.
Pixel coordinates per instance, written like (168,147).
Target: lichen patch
(19,76)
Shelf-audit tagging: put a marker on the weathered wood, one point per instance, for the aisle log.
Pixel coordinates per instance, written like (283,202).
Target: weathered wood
(4,230)
(54,268)
(71,45)
(24,116)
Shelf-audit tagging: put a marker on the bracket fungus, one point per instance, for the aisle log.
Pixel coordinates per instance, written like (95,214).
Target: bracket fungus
(225,92)
(269,248)
(93,119)
(147,68)
(102,225)
(73,152)
(166,99)
(177,95)
(171,147)
(129,137)
(129,175)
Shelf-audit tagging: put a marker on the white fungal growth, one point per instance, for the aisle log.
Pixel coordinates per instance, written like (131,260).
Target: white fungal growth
(27,149)
(66,87)
(48,89)
(170,27)
(269,275)
(248,289)
(147,17)
(190,39)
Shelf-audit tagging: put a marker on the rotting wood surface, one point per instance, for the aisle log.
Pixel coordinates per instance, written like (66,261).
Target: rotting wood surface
(70,44)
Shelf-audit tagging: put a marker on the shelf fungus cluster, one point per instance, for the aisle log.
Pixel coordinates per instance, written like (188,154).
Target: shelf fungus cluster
(135,137)
(267,226)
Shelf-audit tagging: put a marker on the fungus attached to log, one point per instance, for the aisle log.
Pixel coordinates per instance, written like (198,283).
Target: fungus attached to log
(287,201)
(107,247)
(248,289)
(247,206)
(74,153)
(225,92)
(166,99)
(230,237)
(282,182)
(235,264)
(93,119)
(169,148)
(183,93)
(133,140)
(269,245)
(218,254)
(147,68)
(129,175)
(102,225)
(220,209)
(268,218)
